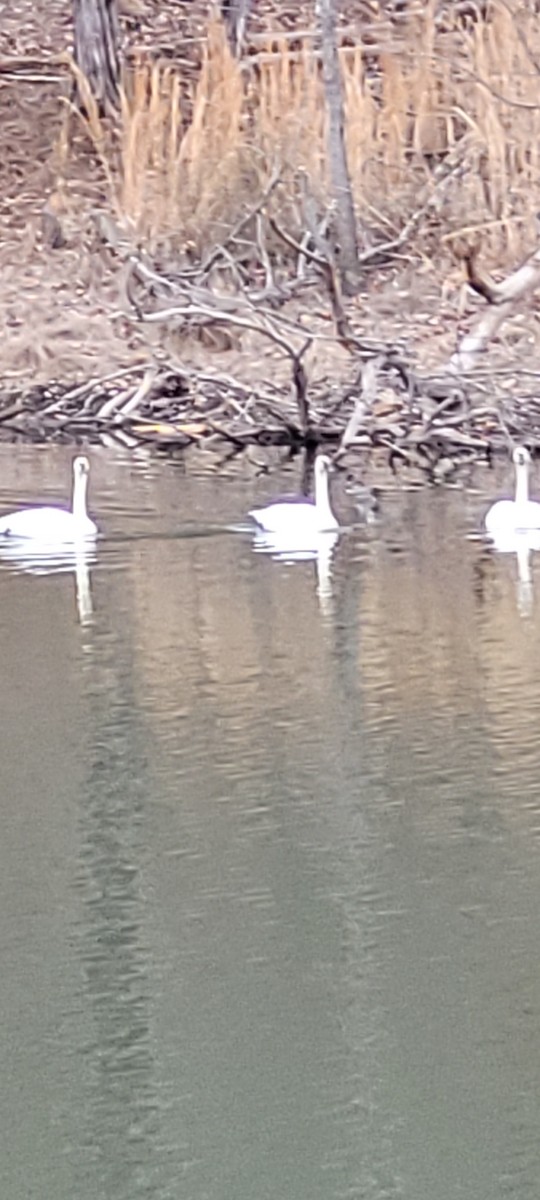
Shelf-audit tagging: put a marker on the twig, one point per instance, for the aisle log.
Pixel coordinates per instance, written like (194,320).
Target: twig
(263,252)
(410,226)
(241,223)
(143,390)
(301,249)
(97,382)
(220,317)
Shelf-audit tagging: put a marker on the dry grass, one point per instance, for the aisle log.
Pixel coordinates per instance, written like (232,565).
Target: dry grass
(184,164)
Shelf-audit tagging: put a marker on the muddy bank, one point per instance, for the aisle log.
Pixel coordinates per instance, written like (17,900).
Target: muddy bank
(114,329)
(101,342)
(284,378)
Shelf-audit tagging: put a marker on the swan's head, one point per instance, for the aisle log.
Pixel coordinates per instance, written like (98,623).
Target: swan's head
(81,467)
(322,466)
(521,457)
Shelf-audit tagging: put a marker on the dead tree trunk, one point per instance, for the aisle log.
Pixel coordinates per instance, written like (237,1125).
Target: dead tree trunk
(95,24)
(344,217)
(235,14)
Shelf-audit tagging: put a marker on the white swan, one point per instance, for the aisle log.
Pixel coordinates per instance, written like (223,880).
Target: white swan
(511,516)
(54,526)
(299,517)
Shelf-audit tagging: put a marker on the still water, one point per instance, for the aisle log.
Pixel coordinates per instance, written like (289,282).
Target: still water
(270,854)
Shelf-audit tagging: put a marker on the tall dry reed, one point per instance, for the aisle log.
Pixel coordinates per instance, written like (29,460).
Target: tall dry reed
(186,161)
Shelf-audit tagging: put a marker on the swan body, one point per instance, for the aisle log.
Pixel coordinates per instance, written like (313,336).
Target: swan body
(299,517)
(512,516)
(516,541)
(52,526)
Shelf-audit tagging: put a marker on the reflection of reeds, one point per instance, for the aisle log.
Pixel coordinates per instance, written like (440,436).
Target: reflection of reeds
(186,160)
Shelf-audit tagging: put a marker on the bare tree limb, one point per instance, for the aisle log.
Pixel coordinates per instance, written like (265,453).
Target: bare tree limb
(502,299)
(364,400)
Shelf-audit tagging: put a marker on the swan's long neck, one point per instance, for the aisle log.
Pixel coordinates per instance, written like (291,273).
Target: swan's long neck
(322,499)
(79,497)
(522,482)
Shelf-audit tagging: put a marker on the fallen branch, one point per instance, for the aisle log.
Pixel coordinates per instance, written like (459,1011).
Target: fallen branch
(502,298)
(364,401)
(126,403)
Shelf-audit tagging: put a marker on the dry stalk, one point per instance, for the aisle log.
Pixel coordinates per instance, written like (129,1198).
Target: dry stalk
(182,165)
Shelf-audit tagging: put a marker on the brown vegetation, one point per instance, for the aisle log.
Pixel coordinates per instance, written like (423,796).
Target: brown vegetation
(190,241)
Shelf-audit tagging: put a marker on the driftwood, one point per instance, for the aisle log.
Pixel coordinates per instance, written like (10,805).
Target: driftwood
(384,405)
(380,401)
(173,407)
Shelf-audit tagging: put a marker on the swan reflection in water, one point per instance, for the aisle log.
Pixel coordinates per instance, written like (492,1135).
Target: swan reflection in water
(522,543)
(318,548)
(298,528)
(30,557)
(514,527)
(47,539)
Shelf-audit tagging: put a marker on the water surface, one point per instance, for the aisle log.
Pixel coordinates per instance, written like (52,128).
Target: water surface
(269,866)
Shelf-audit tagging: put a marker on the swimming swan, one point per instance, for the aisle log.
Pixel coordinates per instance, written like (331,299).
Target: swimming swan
(55,525)
(299,516)
(511,516)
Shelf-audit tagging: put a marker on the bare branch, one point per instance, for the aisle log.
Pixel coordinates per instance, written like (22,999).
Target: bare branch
(502,299)
(364,401)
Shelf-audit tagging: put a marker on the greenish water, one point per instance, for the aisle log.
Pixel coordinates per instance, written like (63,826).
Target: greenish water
(270,855)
